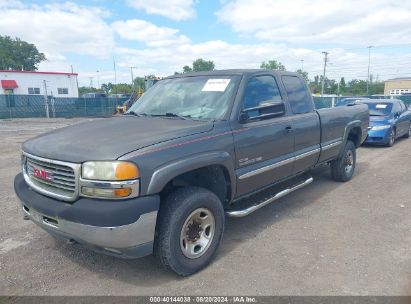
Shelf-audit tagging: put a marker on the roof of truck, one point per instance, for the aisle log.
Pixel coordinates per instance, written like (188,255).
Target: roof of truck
(229,72)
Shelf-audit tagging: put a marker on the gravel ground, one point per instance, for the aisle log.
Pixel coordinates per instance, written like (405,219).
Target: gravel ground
(326,239)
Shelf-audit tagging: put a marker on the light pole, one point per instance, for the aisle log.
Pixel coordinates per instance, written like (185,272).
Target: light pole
(132,76)
(325,67)
(302,65)
(369,61)
(98,79)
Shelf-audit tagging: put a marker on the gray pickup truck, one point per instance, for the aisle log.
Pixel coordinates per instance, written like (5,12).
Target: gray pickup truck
(194,149)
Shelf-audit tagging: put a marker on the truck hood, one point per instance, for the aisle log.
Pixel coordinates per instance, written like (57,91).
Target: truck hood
(108,139)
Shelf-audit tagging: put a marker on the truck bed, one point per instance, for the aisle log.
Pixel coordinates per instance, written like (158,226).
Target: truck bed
(335,122)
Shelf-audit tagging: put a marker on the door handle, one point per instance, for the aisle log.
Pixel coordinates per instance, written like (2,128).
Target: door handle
(288,129)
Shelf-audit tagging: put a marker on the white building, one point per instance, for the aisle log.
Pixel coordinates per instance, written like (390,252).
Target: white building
(38,83)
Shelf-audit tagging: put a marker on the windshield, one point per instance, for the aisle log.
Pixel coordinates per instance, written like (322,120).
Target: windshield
(379,109)
(197,97)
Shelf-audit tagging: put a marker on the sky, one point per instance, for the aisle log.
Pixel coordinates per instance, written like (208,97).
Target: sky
(161,36)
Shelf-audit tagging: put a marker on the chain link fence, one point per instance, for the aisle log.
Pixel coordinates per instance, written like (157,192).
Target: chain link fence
(328,102)
(28,106)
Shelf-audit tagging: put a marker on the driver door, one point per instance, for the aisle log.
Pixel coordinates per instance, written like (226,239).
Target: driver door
(264,146)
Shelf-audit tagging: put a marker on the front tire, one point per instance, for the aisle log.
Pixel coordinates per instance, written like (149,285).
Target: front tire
(342,168)
(189,230)
(408,134)
(391,139)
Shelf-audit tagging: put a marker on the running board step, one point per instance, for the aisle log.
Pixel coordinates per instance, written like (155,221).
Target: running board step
(248,205)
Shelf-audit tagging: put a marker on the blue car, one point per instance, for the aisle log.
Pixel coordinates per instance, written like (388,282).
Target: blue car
(349,100)
(389,119)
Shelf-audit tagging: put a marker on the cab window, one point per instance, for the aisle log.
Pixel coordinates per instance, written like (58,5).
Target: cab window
(298,97)
(259,90)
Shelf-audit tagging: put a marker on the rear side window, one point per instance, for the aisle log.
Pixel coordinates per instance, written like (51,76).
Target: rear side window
(259,90)
(298,97)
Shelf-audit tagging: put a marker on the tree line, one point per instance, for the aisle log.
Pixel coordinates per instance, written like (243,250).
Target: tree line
(17,54)
(354,87)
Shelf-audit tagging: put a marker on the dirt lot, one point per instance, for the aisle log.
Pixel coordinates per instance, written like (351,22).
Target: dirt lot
(326,239)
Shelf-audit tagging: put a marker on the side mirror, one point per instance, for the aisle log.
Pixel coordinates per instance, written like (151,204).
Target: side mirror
(265,111)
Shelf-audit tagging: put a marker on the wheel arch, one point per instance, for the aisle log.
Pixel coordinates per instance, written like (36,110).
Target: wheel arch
(213,171)
(353,132)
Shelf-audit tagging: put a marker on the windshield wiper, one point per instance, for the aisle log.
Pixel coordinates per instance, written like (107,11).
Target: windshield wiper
(169,114)
(135,114)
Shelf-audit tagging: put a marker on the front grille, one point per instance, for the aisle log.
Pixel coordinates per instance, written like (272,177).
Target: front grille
(53,178)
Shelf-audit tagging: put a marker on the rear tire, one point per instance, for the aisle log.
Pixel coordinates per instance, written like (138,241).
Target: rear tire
(342,168)
(189,229)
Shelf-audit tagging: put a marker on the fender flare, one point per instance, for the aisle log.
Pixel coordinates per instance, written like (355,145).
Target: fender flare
(351,125)
(166,173)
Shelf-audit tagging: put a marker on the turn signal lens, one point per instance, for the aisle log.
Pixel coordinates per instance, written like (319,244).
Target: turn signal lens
(106,193)
(126,171)
(122,192)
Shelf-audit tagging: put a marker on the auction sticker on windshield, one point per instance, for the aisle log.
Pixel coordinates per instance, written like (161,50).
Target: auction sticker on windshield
(381,106)
(216,85)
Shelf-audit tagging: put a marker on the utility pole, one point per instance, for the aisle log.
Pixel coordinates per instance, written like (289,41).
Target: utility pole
(46,104)
(98,79)
(325,68)
(132,76)
(369,61)
(302,65)
(91,82)
(115,76)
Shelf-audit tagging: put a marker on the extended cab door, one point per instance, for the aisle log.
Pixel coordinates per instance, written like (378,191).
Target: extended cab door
(263,137)
(305,122)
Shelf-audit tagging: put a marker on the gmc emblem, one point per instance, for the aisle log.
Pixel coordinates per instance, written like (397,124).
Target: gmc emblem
(42,174)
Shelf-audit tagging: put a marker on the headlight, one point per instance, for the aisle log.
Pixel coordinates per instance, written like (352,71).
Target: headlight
(383,127)
(109,171)
(110,179)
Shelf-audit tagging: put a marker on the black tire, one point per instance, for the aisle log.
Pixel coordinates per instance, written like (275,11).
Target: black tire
(407,135)
(347,159)
(392,138)
(173,215)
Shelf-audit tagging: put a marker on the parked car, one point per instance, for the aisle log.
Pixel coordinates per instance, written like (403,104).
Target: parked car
(94,95)
(389,120)
(196,147)
(348,100)
(121,96)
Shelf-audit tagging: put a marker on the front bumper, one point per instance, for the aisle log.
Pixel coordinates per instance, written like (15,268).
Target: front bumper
(123,228)
(378,137)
